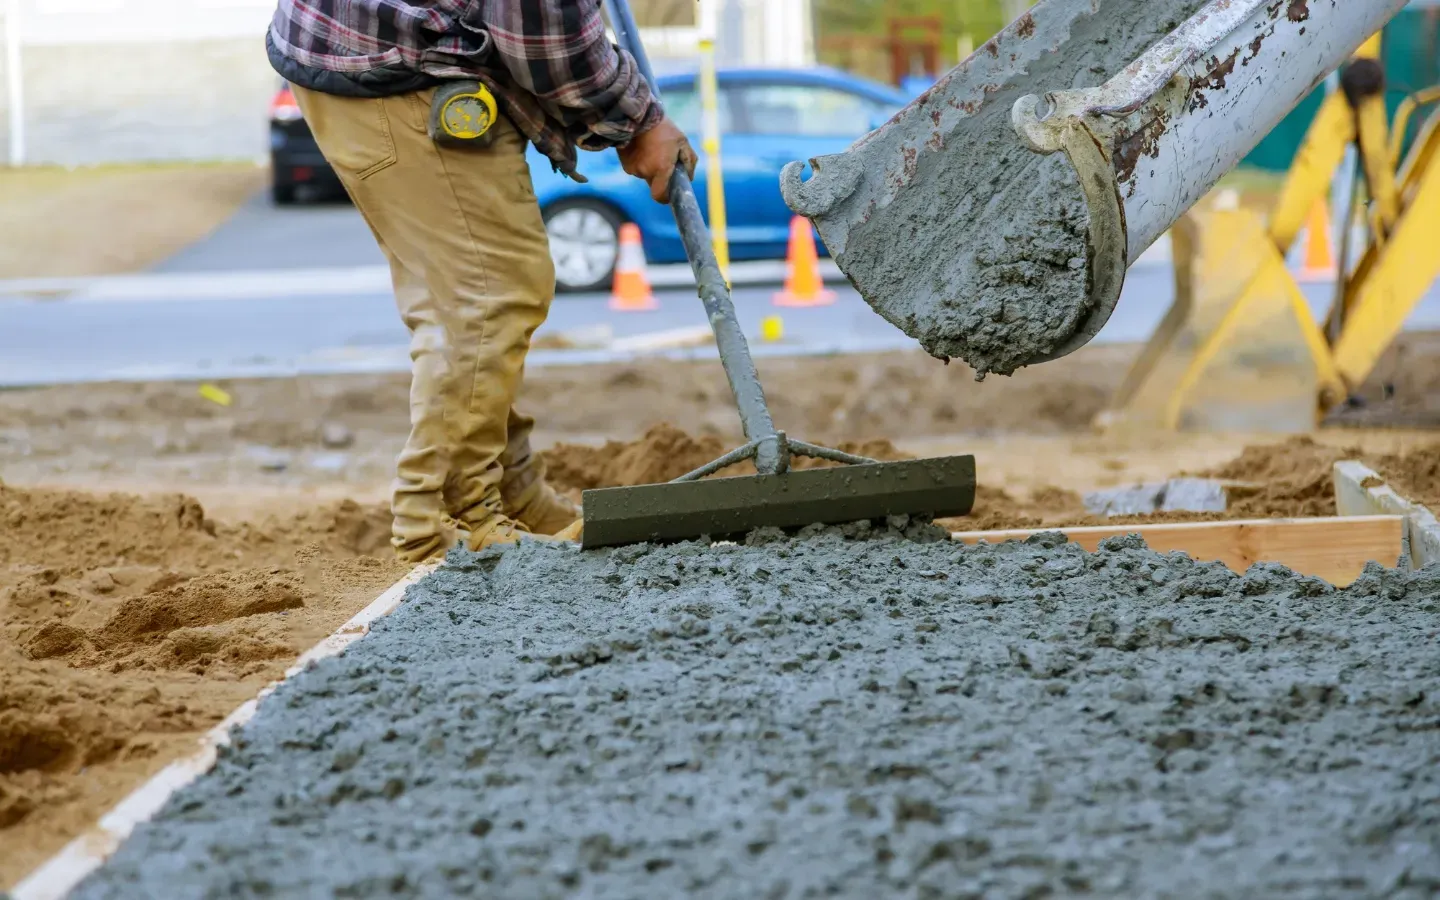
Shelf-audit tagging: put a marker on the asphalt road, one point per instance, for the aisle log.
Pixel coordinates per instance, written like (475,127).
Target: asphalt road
(238,303)
(261,236)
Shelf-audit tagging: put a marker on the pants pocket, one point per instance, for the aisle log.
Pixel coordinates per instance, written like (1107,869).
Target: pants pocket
(353,134)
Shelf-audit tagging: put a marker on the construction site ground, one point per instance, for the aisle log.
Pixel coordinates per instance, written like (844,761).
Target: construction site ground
(163,555)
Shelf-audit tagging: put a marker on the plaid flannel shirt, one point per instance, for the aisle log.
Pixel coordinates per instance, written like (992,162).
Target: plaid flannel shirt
(549,62)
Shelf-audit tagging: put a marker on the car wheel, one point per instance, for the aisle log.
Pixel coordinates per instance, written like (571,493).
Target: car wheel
(584,243)
(283,194)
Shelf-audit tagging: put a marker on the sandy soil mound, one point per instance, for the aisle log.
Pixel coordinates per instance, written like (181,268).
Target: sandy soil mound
(129,624)
(665,453)
(1294,478)
(1289,479)
(1415,475)
(195,625)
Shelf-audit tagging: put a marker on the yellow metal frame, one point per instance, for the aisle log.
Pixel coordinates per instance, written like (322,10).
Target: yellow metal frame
(1398,273)
(1403,114)
(1319,156)
(1396,269)
(1272,278)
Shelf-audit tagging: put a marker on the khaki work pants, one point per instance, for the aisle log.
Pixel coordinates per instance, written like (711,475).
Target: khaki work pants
(473,279)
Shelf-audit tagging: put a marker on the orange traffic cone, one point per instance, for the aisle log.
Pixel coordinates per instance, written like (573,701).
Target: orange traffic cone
(803,285)
(1319,259)
(632,291)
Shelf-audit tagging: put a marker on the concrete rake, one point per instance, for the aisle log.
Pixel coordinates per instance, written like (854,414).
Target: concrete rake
(694,505)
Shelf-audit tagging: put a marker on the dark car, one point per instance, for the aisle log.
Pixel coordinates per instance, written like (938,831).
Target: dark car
(295,160)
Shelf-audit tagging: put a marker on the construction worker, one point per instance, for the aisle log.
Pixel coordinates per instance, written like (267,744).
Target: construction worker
(460,225)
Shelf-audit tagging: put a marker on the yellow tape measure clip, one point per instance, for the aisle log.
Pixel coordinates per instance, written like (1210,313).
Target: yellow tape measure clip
(463,112)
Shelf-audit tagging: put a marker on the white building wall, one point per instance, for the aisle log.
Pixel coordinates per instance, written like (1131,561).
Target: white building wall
(141,80)
(107,81)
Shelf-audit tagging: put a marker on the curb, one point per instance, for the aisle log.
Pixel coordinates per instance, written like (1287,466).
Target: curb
(1361,491)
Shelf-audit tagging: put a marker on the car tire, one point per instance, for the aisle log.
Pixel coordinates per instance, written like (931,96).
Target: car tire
(584,244)
(283,194)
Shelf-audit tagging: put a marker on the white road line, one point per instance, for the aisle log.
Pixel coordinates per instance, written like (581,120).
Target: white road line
(397,361)
(261,285)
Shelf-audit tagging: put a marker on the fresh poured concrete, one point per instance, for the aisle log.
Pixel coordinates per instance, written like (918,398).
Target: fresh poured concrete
(983,252)
(833,716)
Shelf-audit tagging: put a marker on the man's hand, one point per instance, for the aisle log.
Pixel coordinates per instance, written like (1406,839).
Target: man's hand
(653,155)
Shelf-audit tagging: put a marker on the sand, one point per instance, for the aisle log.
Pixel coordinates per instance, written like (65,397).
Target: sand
(168,433)
(837,716)
(129,625)
(165,436)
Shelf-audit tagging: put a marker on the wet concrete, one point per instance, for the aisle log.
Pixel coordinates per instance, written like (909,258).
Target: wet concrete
(984,255)
(887,717)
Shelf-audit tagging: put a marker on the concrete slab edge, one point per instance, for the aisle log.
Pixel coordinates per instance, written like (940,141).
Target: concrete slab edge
(58,876)
(1361,491)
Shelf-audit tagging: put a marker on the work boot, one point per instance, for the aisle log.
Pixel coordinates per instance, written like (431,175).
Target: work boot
(498,530)
(542,509)
(450,535)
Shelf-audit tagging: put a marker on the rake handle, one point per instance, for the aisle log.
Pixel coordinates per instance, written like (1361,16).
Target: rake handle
(714,292)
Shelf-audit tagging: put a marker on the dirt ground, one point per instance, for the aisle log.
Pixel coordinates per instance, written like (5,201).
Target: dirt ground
(134,216)
(129,625)
(163,556)
(338,436)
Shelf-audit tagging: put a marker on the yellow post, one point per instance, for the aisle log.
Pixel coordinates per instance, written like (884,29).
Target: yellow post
(709,19)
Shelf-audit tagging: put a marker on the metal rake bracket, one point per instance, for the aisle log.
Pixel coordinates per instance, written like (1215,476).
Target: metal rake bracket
(783,450)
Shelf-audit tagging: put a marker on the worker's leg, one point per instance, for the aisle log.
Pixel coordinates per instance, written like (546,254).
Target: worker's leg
(464,222)
(519,282)
(422,527)
(527,497)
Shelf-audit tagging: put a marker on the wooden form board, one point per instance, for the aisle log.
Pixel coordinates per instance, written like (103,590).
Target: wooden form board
(1335,549)
(1360,491)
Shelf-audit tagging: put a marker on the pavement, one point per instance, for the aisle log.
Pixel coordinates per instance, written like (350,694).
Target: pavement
(262,237)
(303,290)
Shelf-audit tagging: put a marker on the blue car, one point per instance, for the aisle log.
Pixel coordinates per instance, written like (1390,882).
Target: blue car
(767,118)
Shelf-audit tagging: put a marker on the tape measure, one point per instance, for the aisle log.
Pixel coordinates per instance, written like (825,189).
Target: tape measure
(462,113)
